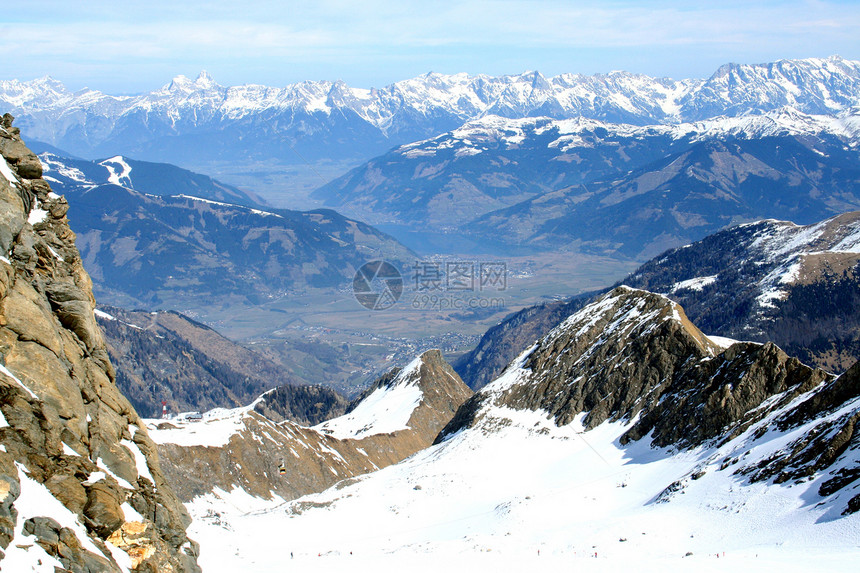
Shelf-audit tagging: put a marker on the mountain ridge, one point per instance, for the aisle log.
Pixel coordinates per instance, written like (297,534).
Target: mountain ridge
(143,246)
(242,448)
(731,284)
(90,122)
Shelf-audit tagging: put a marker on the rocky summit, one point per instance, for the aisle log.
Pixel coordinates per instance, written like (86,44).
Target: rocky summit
(81,487)
(634,357)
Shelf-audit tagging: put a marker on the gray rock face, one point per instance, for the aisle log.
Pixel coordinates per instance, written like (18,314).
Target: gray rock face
(65,428)
(633,353)
(633,357)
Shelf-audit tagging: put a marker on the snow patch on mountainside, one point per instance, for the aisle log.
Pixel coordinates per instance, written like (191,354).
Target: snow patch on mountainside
(233,205)
(213,429)
(120,171)
(386,410)
(36,500)
(851,243)
(787,254)
(7,171)
(784,246)
(697,283)
(53,163)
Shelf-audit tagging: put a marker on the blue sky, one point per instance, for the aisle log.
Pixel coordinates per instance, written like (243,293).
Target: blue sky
(138,46)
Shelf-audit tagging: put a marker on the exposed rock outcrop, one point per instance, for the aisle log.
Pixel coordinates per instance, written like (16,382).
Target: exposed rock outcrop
(633,357)
(635,354)
(504,341)
(76,463)
(398,416)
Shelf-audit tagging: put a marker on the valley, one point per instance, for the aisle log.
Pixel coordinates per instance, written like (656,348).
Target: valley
(366,342)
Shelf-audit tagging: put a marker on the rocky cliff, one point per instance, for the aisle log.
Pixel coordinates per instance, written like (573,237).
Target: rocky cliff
(398,416)
(633,357)
(81,487)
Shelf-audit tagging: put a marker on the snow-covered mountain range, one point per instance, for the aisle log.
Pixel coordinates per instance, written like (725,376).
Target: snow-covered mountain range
(542,168)
(200,119)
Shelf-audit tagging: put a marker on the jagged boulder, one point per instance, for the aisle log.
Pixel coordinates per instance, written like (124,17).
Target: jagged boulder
(62,543)
(67,433)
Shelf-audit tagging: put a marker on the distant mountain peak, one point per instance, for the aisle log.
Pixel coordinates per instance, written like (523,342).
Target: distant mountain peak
(403,399)
(204,79)
(184,84)
(411,109)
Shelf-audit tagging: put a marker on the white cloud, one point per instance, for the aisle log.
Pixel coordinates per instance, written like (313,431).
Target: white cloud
(393,40)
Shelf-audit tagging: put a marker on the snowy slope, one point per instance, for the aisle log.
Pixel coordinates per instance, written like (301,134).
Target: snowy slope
(516,490)
(789,249)
(68,176)
(225,450)
(525,492)
(214,429)
(387,409)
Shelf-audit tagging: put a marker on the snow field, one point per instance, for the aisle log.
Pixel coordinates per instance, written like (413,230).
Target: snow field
(496,495)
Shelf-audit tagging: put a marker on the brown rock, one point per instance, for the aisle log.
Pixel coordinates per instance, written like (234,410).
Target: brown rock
(68,489)
(30,318)
(74,308)
(30,167)
(103,509)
